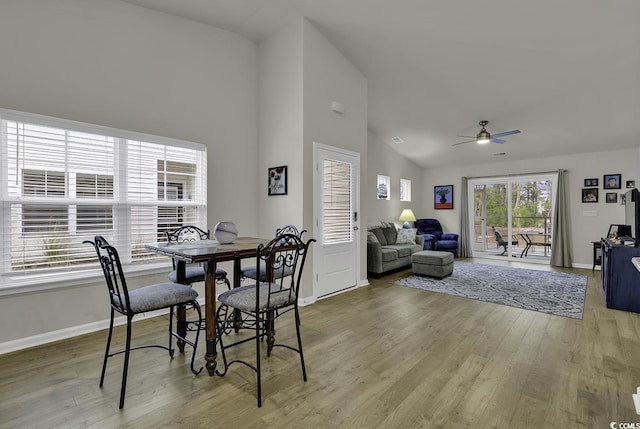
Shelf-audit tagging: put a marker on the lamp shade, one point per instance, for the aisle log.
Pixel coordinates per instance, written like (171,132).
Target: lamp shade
(407,216)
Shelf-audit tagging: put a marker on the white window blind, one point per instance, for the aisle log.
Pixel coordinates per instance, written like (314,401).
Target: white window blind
(405,190)
(337,204)
(64,182)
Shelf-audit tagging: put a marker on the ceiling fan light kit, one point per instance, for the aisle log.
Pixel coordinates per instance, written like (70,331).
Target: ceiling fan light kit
(484,137)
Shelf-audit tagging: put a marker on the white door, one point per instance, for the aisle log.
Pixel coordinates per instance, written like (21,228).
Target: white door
(336,211)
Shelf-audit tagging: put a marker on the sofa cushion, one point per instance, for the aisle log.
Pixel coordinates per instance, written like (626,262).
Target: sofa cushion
(380,236)
(402,250)
(390,234)
(406,236)
(389,254)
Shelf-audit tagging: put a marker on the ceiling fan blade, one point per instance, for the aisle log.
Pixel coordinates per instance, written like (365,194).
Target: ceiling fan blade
(506,133)
(469,137)
(456,144)
(499,141)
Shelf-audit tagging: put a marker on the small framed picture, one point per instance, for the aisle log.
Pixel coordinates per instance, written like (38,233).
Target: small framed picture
(631,183)
(611,197)
(443,197)
(611,181)
(590,182)
(623,199)
(277,180)
(589,195)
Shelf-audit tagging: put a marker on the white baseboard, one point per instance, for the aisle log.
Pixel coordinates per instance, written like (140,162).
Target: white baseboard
(302,302)
(586,266)
(73,331)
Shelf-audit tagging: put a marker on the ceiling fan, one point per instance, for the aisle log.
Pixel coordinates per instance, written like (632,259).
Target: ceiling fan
(484,136)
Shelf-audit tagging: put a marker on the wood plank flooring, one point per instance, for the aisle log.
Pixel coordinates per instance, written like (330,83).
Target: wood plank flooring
(379,356)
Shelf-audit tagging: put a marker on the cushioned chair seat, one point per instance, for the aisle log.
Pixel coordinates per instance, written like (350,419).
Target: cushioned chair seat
(195,274)
(447,245)
(161,295)
(244,298)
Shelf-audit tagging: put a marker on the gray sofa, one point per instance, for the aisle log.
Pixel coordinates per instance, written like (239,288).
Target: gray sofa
(384,251)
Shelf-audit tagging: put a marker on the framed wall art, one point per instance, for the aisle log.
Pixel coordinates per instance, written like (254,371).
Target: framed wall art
(611,181)
(611,197)
(443,197)
(631,183)
(589,195)
(590,182)
(277,179)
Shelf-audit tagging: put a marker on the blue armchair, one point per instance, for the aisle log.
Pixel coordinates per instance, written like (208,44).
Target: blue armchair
(435,239)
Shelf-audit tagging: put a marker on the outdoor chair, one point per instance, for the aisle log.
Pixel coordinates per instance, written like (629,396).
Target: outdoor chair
(500,241)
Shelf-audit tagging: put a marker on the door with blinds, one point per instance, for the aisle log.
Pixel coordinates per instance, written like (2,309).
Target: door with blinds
(336,211)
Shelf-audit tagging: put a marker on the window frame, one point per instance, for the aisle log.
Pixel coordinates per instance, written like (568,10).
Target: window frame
(121,203)
(405,190)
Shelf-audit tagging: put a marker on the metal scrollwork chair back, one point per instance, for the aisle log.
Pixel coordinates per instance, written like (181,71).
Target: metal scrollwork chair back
(252,272)
(195,272)
(264,302)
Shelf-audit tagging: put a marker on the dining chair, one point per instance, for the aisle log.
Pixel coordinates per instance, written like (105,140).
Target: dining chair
(193,272)
(263,303)
(132,302)
(252,271)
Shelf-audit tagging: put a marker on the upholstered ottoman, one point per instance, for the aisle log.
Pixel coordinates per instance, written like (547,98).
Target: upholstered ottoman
(432,263)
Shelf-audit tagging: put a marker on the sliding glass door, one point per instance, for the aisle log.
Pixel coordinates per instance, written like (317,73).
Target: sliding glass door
(512,216)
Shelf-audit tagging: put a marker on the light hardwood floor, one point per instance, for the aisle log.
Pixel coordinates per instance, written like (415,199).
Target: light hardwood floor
(379,356)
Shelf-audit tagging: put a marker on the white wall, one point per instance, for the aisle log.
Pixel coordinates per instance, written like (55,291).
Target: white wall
(383,160)
(584,229)
(328,77)
(301,73)
(281,127)
(110,63)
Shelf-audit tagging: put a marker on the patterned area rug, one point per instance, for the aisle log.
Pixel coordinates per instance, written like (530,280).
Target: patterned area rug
(556,293)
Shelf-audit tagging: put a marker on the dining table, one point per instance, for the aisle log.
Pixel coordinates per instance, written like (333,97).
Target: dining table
(209,253)
(530,241)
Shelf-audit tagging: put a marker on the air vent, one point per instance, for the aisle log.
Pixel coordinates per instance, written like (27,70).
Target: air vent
(500,154)
(397,140)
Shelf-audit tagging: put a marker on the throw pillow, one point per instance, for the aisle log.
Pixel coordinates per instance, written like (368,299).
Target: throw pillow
(372,237)
(380,236)
(390,234)
(406,236)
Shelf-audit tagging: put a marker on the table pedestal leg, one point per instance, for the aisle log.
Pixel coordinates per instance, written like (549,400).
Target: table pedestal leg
(181,312)
(210,312)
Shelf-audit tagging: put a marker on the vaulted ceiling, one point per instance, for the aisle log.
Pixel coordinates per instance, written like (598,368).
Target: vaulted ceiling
(566,73)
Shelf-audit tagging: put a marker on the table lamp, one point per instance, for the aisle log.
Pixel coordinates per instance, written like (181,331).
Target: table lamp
(407,216)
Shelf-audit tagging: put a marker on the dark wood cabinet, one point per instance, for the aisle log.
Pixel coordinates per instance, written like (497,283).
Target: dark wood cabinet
(620,278)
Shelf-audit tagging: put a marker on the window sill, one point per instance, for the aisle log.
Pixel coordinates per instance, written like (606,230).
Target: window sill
(18,284)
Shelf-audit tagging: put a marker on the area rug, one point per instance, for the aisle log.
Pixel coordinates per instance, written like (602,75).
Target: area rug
(550,292)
